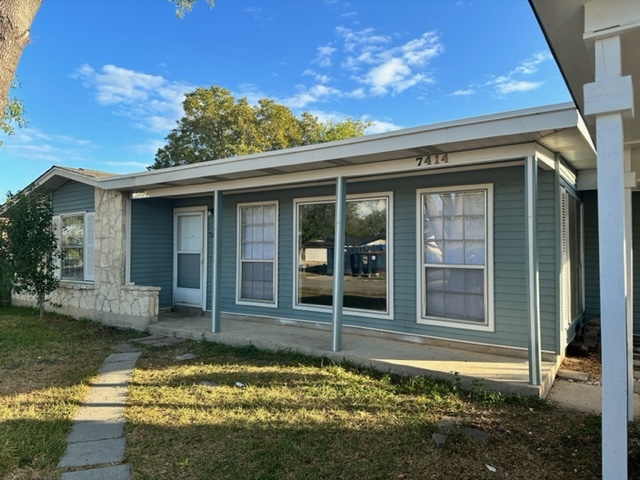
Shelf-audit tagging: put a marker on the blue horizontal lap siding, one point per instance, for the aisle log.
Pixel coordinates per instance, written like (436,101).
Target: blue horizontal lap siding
(591,254)
(73,197)
(547,266)
(152,246)
(510,299)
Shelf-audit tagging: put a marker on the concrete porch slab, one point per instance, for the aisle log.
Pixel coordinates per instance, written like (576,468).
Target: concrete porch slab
(502,373)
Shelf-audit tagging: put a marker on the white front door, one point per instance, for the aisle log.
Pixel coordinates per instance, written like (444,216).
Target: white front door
(189,257)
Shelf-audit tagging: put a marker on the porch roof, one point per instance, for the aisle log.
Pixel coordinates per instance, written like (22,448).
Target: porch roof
(558,128)
(572,43)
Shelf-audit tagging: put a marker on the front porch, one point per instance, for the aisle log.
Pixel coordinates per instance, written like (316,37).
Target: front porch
(385,351)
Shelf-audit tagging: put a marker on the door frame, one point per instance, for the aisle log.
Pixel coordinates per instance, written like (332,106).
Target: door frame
(204,210)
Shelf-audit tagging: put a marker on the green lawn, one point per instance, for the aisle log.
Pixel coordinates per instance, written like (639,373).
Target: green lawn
(296,417)
(45,367)
(303,418)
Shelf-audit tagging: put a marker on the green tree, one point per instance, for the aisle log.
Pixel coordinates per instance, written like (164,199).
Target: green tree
(215,125)
(28,244)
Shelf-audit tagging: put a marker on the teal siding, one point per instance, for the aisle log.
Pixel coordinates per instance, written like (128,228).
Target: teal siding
(152,246)
(510,282)
(591,254)
(547,266)
(591,257)
(73,197)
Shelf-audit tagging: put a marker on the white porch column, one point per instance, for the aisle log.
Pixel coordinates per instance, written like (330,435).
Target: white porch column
(217,259)
(533,297)
(338,262)
(608,98)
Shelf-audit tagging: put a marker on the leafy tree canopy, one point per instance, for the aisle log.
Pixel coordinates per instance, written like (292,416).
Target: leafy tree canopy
(215,125)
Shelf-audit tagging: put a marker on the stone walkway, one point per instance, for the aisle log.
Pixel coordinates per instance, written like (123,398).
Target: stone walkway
(95,445)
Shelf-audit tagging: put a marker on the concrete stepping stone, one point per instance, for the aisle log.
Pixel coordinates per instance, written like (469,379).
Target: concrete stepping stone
(159,340)
(186,356)
(117,472)
(573,376)
(97,434)
(99,452)
(90,431)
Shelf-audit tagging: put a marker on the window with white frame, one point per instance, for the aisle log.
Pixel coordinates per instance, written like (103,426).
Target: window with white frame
(366,263)
(76,241)
(455,251)
(257,239)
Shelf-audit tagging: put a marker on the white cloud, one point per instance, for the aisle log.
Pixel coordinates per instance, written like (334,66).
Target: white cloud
(323,57)
(464,93)
(514,81)
(506,86)
(355,41)
(33,144)
(150,101)
(380,126)
(318,77)
(393,69)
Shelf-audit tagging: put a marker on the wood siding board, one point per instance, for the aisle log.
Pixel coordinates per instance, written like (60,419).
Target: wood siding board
(152,246)
(73,197)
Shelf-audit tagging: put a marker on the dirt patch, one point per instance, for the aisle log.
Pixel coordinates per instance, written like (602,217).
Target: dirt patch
(589,363)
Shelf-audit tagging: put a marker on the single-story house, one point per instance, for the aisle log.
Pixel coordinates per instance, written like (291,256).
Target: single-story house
(487,239)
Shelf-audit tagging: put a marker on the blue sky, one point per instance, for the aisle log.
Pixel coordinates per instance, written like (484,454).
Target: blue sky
(102,81)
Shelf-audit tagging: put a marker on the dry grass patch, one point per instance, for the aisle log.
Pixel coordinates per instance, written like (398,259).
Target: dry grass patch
(45,368)
(305,418)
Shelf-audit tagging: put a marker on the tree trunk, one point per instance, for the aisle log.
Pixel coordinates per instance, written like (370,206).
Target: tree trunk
(15,21)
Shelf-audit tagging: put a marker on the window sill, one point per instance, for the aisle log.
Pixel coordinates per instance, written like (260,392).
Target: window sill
(76,285)
(346,311)
(457,324)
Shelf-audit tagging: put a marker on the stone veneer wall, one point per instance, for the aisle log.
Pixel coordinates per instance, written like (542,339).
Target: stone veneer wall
(108,299)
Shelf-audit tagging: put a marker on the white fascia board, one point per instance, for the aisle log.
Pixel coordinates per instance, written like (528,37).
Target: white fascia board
(64,173)
(605,18)
(523,121)
(469,158)
(546,158)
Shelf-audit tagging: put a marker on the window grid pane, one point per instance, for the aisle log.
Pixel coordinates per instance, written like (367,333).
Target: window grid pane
(72,247)
(257,252)
(454,255)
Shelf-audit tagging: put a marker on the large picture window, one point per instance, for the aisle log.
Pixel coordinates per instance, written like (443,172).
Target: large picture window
(257,238)
(76,237)
(366,262)
(455,251)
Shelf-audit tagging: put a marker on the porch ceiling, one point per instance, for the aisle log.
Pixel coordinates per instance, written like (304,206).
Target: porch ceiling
(559,128)
(563,23)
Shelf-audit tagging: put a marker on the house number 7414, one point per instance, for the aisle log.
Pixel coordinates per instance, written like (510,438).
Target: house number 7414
(436,159)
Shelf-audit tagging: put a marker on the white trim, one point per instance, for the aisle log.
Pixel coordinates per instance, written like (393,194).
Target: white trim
(389,314)
(202,209)
(567,173)
(489,324)
(275,260)
(468,159)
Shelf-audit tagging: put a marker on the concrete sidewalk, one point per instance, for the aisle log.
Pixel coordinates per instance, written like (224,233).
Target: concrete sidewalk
(95,445)
(404,354)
